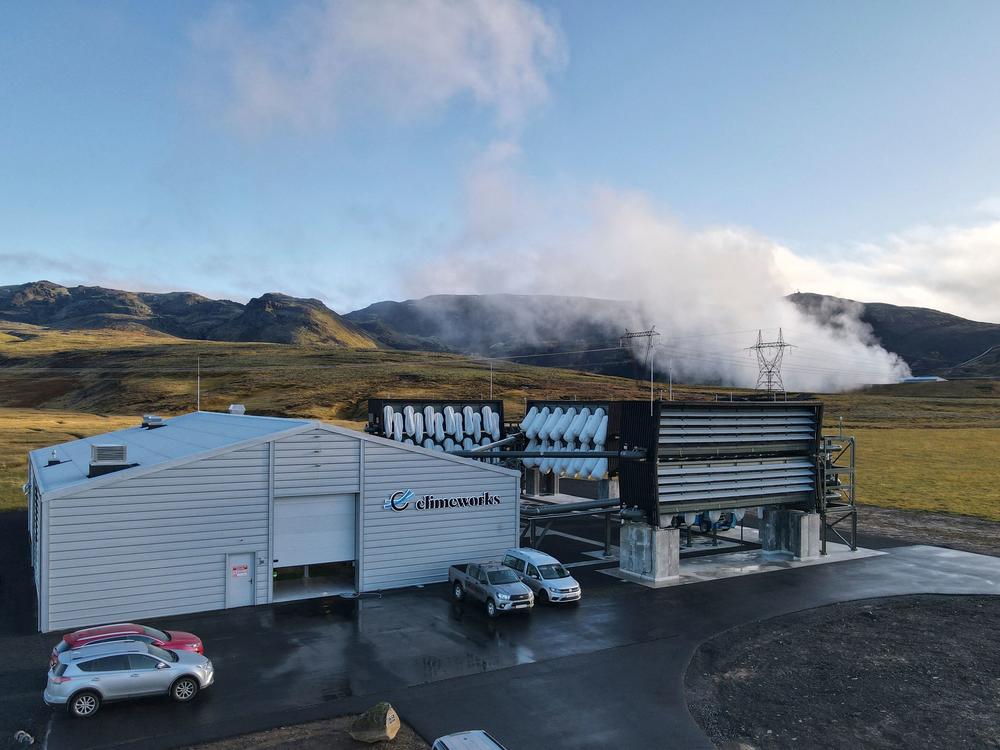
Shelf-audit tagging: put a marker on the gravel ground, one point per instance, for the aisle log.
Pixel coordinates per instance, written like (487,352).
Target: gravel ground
(923,527)
(317,735)
(902,672)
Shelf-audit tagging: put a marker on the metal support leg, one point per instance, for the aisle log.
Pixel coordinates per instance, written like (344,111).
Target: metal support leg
(607,535)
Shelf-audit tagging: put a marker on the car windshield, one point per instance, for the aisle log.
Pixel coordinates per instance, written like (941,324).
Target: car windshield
(154,633)
(550,572)
(502,576)
(162,653)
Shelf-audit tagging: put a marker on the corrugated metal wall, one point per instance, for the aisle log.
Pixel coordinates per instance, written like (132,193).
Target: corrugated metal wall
(157,544)
(316,462)
(400,548)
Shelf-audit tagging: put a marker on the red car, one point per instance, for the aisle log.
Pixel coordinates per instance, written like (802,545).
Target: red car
(174,640)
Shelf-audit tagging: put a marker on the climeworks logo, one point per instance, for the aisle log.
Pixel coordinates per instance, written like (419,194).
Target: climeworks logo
(398,500)
(401,500)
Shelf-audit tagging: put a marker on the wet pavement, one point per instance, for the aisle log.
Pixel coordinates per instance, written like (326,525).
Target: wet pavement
(605,673)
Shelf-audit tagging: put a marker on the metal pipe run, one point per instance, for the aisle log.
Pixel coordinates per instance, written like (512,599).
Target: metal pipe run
(498,443)
(548,510)
(627,454)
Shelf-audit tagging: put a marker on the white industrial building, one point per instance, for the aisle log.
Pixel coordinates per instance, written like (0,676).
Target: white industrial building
(197,512)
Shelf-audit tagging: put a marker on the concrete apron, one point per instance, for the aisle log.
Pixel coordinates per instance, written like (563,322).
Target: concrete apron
(789,539)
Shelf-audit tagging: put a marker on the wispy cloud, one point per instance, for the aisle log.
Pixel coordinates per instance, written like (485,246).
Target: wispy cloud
(318,62)
(952,268)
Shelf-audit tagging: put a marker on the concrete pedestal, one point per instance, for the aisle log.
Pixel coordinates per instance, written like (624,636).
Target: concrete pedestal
(649,555)
(793,531)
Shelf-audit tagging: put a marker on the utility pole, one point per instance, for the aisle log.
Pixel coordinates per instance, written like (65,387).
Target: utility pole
(198,388)
(769,356)
(491,380)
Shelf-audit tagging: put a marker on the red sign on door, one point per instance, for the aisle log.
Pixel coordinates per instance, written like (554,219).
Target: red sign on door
(241,569)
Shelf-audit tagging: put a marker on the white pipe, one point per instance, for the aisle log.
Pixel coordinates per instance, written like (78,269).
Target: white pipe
(577,424)
(550,423)
(418,428)
(528,461)
(600,469)
(536,423)
(601,436)
(387,420)
(408,420)
(397,427)
(563,424)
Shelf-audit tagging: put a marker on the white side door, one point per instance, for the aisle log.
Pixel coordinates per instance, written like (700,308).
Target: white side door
(239,580)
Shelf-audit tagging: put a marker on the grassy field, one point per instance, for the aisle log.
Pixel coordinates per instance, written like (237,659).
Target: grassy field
(931,469)
(23,430)
(929,446)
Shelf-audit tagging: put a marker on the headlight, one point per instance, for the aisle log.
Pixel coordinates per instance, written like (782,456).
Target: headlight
(502,596)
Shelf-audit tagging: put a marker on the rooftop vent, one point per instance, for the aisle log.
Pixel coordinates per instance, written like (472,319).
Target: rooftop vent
(151,421)
(106,453)
(237,409)
(106,458)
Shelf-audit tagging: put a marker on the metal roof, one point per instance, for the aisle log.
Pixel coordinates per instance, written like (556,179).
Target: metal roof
(186,436)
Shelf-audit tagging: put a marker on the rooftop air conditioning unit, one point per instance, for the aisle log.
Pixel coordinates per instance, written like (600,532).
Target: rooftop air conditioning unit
(237,409)
(151,421)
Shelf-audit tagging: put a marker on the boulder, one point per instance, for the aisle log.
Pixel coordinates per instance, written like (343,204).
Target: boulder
(379,723)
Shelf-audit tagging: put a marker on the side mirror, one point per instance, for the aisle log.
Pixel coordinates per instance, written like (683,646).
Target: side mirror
(161,665)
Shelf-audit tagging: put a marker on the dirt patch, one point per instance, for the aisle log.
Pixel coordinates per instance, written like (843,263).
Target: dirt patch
(330,734)
(915,671)
(940,529)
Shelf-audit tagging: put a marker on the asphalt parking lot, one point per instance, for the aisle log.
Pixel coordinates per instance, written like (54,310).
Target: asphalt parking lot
(605,673)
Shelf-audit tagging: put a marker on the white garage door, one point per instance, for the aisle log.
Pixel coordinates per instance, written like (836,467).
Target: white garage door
(314,529)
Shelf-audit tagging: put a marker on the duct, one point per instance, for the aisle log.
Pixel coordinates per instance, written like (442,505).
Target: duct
(546,510)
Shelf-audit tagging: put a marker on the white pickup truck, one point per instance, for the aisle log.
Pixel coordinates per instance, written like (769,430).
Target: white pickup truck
(492,583)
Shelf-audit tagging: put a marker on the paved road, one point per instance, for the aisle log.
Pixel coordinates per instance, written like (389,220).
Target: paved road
(607,673)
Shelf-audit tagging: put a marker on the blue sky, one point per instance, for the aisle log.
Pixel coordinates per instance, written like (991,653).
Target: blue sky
(332,151)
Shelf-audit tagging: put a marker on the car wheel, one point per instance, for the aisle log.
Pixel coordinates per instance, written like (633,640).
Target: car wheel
(184,689)
(457,592)
(491,608)
(84,705)
(542,597)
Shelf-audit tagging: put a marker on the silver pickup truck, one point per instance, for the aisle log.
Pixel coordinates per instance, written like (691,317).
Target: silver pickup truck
(496,585)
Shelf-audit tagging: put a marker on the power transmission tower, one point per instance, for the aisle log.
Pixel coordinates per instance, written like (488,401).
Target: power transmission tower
(769,356)
(625,342)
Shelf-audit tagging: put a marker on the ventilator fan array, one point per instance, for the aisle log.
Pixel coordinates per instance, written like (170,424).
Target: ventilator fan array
(559,430)
(446,429)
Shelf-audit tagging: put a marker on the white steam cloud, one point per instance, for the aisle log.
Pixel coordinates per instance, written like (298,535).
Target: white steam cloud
(707,291)
(317,62)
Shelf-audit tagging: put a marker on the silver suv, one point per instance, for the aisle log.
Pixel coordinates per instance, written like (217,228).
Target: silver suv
(548,580)
(86,677)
